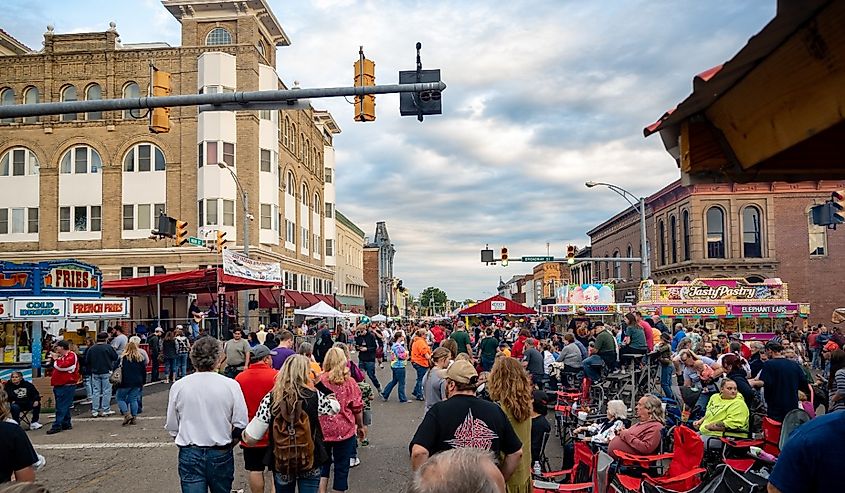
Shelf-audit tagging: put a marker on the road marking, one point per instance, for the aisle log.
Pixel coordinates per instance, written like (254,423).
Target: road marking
(121,445)
(113,418)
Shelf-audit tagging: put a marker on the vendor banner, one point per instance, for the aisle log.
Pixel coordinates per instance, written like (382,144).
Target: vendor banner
(239,265)
(38,308)
(747,310)
(5,308)
(85,309)
(713,290)
(694,311)
(583,294)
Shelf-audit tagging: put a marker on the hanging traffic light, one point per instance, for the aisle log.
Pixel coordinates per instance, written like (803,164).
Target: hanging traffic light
(504,257)
(160,117)
(837,205)
(365,75)
(221,241)
(570,254)
(181,233)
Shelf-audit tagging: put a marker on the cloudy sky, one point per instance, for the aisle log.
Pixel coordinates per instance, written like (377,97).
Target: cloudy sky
(542,96)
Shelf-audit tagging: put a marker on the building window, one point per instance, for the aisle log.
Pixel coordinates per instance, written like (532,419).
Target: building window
(80,218)
(81,159)
(218,36)
(630,264)
(68,94)
(752,241)
(211,212)
(290,185)
(329,247)
(673,239)
(93,93)
(818,238)
(31,96)
(200,212)
(305,238)
(7,98)
(32,219)
(126,272)
(143,271)
(661,241)
(617,266)
(715,233)
(144,157)
(304,197)
(128,217)
(266,161)
(290,231)
(266,216)
(159,270)
(264,115)
(329,210)
(685,235)
(317,204)
(229,153)
(262,48)
(18,161)
(131,90)
(228,212)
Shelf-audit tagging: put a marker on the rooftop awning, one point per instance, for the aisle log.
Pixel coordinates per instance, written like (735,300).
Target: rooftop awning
(188,282)
(497,305)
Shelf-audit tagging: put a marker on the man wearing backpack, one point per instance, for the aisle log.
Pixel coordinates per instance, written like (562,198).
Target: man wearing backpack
(256,381)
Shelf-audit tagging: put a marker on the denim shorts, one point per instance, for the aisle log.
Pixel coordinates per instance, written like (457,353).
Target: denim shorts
(368,417)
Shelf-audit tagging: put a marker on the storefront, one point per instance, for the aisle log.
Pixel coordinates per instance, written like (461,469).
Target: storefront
(596,300)
(724,304)
(53,299)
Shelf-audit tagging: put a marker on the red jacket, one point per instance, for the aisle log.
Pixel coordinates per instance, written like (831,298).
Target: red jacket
(518,347)
(438,333)
(65,370)
(256,381)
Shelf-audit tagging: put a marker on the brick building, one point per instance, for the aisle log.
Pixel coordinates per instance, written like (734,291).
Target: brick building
(349,273)
(90,186)
(755,231)
(545,279)
(380,294)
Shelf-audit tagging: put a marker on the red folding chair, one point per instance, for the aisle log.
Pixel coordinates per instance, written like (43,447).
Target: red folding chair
(599,471)
(771,436)
(684,471)
(583,458)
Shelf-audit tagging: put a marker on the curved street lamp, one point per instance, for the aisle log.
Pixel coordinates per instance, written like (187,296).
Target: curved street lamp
(639,205)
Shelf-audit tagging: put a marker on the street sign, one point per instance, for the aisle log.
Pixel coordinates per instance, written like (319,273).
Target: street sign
(537,259)
(193,240)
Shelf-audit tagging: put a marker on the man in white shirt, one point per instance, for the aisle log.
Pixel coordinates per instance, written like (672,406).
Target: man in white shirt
(119,340)
(206,413)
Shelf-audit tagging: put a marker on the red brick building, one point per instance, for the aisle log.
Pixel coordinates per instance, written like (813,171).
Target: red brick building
(755,231)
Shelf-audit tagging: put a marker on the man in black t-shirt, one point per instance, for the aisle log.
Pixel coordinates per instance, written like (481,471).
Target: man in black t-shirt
(782,379)
(17,457)
(464,420)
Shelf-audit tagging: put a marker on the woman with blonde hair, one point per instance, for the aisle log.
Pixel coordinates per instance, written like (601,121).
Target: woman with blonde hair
(434,381)
(339,430)
(133,366)
(510,388)
(292,393)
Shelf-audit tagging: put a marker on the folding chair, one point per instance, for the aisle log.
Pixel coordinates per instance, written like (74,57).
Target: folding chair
(25,420)
(771,436)
(599,472)
(545,466)
(683,473)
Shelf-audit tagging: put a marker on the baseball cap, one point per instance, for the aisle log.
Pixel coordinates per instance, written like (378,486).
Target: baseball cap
(159,330)
(261,351)
(461,372)
(831,346)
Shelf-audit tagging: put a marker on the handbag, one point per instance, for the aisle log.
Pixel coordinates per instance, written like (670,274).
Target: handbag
(116,377)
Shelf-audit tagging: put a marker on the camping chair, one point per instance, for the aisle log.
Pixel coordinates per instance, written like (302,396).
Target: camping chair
(582,465)
(25,419)
(791,422)
(683,473)
(564,416)
(545,466)
(599,472)
(771,436)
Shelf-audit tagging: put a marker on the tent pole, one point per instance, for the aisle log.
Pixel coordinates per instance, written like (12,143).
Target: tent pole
(158,305)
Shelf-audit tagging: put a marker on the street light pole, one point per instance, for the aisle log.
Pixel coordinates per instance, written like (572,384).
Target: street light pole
(245,220)
(639,205)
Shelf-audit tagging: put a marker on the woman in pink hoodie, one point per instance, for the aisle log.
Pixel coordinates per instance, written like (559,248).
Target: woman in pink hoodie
(644,437)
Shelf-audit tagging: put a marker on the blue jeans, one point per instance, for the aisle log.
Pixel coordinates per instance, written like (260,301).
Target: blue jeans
(817,358)
(369,367)
(101,399)
(64,399)
(592,367)
(195,330)
(398,379)
(308,482)
(170,367)
(487,364)
(204,469)
(89,391)
(181,365)
(339,454)
(666,374)
(418,387)
(128,399)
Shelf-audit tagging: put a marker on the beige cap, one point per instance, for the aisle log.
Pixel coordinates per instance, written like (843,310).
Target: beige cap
(461,372)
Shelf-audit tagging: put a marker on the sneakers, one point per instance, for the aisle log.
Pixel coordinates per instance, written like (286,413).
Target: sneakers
(42,461)
(53,431)
(127,418)
(35,425)
(354,461)
(107,412)
(383,398)
(95,414)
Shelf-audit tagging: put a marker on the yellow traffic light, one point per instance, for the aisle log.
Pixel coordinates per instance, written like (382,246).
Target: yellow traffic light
(570,254)
(160,117)
(837,207)
(504,256)
(181,232)
(221,240)
(365,75)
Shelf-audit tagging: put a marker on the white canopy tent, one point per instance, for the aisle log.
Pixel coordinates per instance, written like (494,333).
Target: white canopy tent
(320,310)
(378,318)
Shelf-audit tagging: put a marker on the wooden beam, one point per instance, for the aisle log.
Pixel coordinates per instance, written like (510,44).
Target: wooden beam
(795,93)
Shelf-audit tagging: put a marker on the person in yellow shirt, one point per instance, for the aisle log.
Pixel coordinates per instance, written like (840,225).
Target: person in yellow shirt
(504,349)
(421,359)
(307,350)
(726,414)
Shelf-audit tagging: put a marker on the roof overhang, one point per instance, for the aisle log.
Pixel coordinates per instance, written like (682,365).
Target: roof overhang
(772,112)
(211,9)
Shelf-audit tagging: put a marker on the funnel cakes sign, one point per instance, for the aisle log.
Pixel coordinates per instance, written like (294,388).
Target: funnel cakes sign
(713,290)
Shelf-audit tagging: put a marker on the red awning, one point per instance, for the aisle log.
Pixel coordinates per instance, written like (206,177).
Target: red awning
(296,299)
(193,281)
(328,299)
(497,305)
(269,298)
(312,298)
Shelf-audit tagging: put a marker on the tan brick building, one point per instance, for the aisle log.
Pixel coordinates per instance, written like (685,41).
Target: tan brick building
(90,186)
(754,231)
(349,274)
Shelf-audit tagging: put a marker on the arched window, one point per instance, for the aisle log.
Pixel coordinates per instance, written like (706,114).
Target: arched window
(7,98)
(262,48)
(755,279)
(18,161)
(290,185)
(293,139)
(286,141)
(144,157)
(302,147)
(661,241)
(617,266)
(218,36)
(79,160)
(93,93)
(68,94)
(131,90)
(715,233)
(31,96)
(685,235)
(304,197)
(630,254)
(673,239)
(606,267)
(317,204)
(752,241)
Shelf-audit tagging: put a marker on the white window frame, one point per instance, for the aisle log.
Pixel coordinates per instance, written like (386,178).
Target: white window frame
(134,153)
(67,164)
(30,162)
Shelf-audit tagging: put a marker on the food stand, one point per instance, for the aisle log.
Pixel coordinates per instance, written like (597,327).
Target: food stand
(597,300)
(755,310)
(61,294)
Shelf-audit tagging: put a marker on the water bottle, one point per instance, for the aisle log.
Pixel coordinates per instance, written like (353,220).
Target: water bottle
(537,470)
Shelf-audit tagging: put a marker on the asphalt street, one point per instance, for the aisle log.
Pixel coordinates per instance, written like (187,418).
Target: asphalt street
(99,454)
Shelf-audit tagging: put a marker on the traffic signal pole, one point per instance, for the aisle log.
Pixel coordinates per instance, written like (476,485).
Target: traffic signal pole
(230,101)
